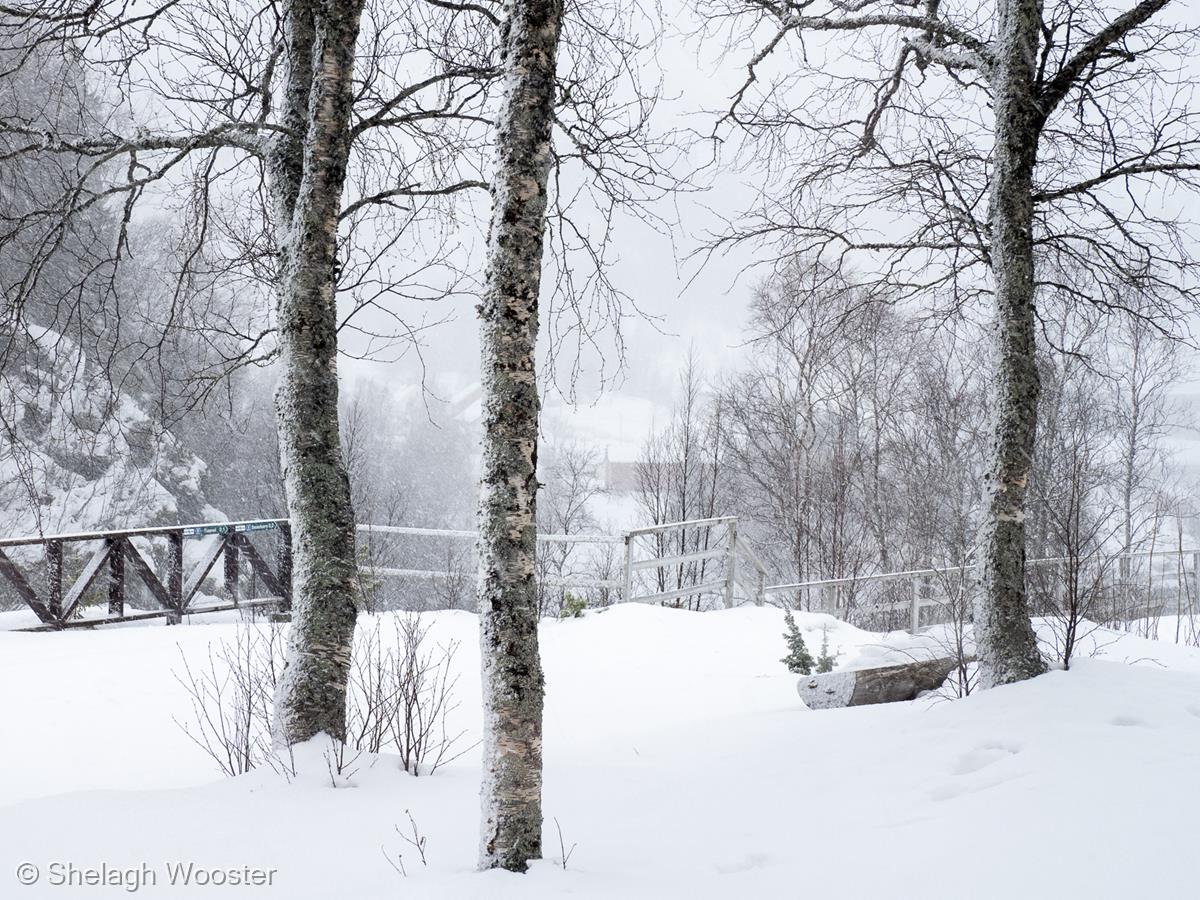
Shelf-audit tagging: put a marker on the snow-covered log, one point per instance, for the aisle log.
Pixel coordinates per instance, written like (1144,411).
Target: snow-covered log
(862,687)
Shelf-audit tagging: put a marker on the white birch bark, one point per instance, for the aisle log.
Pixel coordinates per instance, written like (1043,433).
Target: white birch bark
(1007,646)
(511,793)
(307,172)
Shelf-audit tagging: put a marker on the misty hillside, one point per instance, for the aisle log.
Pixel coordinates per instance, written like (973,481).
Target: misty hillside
(83,456)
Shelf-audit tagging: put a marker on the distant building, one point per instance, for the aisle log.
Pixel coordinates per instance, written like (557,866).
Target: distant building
(619,477)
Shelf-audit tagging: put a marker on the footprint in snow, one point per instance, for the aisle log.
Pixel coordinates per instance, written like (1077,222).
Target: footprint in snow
(747,863)
(975,761)
(1127,721)
(984,756)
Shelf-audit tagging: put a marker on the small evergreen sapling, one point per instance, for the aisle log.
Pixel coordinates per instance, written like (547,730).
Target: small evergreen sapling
(798,660)
(825,662)
(573,607)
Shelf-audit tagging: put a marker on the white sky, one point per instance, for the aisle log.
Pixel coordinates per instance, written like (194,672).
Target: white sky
(707,314)
(703,310)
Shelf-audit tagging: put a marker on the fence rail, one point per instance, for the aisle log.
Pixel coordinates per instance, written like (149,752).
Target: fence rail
(466,570)
(698,563)
(676,557)
(652,571)
(1116,589)
(108,557)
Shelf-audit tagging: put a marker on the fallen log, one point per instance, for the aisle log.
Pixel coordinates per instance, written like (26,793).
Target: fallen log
(862,687)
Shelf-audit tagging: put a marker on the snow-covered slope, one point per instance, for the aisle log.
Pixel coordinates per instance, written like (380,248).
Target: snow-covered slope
(679,764)
(83,455)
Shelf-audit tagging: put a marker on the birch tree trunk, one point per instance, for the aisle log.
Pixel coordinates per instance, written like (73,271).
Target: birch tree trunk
(512,674)
(1006,643)
(308,170)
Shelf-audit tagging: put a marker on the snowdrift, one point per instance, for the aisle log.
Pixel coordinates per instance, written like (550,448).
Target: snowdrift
(679,763)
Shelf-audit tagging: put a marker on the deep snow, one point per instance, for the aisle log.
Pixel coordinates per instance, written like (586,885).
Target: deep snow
(679,761)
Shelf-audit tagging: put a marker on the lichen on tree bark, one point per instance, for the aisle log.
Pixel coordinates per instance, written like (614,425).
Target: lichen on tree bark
(512,673)
(1007,646)
(307,166)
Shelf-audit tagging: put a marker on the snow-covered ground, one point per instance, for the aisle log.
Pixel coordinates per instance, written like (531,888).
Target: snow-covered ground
(679,763)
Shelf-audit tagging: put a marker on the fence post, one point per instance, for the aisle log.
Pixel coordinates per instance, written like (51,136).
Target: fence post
(230,553)
(175,576)
(54,564)
(627,580)
(761,595)
(915,618)
(1194,600)
(285,573)
(116,576)
(731,564)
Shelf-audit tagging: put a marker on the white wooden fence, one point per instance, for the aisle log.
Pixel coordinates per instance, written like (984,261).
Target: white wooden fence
(692,561)
(456,535)
(705,563)
(1115,588)
(695,562)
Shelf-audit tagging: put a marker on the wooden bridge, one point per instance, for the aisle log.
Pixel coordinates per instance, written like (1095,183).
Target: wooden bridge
(109,556)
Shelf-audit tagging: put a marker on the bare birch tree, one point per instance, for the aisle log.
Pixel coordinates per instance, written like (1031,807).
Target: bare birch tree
(1145,369)
(969,141)
(508,608)
(680,478)
(567,488)
(307,168)
(573,154)
(259,109)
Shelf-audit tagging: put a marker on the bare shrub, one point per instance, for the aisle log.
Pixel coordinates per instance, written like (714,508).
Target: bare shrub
(424,685)
(401,695)
(341,762)
(1070,593)
(413,838)
(372,691)
(232,697)
(564,854)
(955,635)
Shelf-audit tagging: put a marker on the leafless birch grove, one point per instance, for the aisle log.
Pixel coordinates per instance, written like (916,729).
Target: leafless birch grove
(963,245)
(1017,150)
